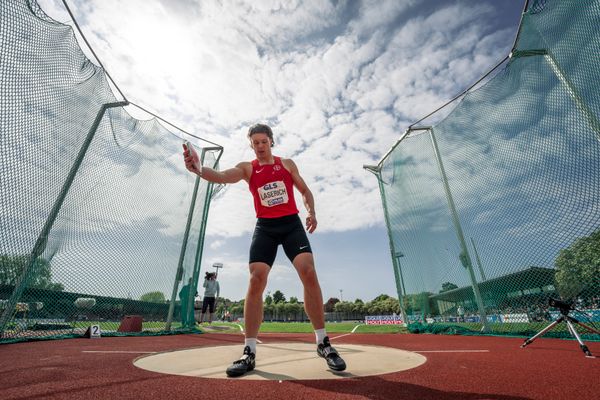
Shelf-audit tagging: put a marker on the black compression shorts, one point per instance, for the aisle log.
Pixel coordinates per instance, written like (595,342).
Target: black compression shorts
(271,232)
(208,302)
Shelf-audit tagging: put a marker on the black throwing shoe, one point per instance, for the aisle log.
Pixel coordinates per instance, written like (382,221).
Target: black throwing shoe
(245,364)
(334,361)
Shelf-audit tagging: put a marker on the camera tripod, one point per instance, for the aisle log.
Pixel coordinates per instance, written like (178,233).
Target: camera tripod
(565,309)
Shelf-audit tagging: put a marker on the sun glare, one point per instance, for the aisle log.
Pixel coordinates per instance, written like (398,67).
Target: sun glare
(162,43)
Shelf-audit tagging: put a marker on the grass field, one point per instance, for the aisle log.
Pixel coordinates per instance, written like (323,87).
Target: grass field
(306,327)
(267,327)
(516,329)
(112,326)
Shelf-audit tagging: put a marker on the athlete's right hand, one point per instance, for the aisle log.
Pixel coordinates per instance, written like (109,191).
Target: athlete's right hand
(311,223)
(192,161)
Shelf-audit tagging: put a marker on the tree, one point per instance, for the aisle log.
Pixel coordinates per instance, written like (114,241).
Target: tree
(381,297)
(278,297)
(422,304)
(153,297)
(40,274)
(268,300)
(390,306)
(344,307)
(280,311)
(358,307)
(292,310)
(236,310)
(446,286)
(374,308)
(578,266)
(293,300)
(330,305)
(220,310)
(269,309)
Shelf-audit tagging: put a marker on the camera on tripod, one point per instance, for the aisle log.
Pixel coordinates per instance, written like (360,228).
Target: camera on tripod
(563,306)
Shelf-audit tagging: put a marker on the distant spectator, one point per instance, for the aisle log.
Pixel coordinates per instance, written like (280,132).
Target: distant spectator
(211,293)
(460,311)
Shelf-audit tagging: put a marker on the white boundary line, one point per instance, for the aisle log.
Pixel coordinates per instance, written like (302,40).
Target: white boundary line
(337,337)
(242,329)
(450,351)
(346,334)
(119,352)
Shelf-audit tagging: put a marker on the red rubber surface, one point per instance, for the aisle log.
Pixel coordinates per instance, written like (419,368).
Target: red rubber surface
(546,369)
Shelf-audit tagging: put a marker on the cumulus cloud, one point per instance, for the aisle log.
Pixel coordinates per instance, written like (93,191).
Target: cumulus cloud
(339,81)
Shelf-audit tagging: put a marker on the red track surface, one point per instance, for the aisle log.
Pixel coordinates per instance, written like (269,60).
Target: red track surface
(546,369)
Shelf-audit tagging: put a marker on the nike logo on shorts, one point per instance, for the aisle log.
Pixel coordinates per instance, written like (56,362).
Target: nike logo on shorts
(303,247)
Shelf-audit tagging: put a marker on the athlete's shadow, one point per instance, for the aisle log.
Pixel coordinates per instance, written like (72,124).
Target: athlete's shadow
(376,388)
(271,376)
(281,377)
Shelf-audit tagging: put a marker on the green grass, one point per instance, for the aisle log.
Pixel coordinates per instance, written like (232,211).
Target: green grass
(515,329)
(331,327)
(113,326)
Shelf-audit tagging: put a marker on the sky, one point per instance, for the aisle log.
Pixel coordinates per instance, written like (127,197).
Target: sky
(339,82)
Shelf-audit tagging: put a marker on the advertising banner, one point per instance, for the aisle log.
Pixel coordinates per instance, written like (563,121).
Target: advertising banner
(383,320)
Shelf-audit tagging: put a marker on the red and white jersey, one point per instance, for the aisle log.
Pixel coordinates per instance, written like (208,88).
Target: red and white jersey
(272,187)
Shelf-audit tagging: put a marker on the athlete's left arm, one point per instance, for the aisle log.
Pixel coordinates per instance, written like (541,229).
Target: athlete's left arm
(307,196)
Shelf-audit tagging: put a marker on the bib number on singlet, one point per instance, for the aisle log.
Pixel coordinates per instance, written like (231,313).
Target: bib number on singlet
(273,194)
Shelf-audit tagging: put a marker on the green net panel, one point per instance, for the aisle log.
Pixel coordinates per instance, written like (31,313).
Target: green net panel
(99,220)
(496,209)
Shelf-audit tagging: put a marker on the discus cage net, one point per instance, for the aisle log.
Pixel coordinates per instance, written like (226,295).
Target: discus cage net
(99,220)
(494,210)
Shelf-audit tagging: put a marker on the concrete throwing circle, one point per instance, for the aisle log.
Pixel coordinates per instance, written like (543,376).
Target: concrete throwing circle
(281,361)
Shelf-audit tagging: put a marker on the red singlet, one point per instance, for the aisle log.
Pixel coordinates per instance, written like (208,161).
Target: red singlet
(273,190)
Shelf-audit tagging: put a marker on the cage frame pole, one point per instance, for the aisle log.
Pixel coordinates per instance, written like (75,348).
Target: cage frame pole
(376,170)
(200,247)
(466,259)
(570,87)
(574,93)
(42,240)
(179,272)
(479,264)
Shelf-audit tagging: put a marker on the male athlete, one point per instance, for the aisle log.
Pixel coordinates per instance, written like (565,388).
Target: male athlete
(271,180)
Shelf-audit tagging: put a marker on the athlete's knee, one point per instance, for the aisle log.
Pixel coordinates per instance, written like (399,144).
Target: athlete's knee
(308,275)
(258,282)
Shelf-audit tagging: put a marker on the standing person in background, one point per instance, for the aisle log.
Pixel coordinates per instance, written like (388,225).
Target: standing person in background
(271,180)
(461,314)
(211,293)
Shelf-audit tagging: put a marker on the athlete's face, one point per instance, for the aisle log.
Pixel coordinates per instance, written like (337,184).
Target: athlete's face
(261,144)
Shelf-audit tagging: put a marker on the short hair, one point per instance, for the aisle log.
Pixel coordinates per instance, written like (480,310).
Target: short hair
(261,128)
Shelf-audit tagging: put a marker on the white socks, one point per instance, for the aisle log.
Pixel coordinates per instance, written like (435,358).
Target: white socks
(250,343)
(320,335)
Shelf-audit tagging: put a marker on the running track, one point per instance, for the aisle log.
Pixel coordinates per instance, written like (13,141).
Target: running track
(102,369)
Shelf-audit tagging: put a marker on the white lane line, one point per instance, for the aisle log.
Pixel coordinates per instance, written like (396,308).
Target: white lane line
(336,337)
(450,351)
(346,334)
(118,351)
(242,329)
